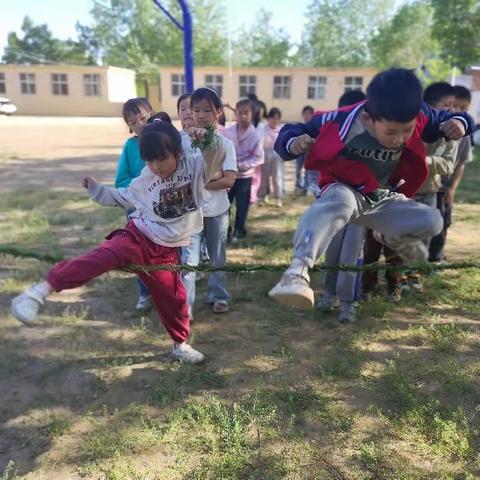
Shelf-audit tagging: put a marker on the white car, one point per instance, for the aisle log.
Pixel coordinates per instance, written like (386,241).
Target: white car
(6,106)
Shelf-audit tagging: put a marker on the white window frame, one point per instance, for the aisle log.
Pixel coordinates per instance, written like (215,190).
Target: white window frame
(247,84)
(59,84)
(179,86)
(353,83)
(28,84)
(316,87)
(3,83)
(282,87)
(92,85)
(215,82)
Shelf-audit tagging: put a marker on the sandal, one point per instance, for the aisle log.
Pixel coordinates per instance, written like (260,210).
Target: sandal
(220,306)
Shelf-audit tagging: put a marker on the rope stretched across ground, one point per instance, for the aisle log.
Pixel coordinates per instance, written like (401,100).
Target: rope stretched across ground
(423,267)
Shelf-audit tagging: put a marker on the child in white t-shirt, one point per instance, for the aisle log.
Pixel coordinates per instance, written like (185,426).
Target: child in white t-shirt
(207,108)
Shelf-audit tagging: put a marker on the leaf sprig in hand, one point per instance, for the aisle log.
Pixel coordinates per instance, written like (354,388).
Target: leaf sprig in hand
(207,140)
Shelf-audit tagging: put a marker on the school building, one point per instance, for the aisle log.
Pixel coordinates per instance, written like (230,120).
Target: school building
(67,90)
(289,89)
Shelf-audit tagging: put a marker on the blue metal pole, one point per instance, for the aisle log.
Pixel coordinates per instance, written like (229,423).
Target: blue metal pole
(187,45)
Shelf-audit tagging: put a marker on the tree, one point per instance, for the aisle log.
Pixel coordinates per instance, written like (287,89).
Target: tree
(37,45)
(457,28)
(262,45)
(338,32)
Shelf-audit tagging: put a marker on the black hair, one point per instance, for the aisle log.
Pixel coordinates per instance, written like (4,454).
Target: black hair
(252,97)
(308,108)
(245,102)
(208,94)
(395,95)
(351,98)
(163,116)
(262,105)
(274,112)
(158,140)
(134,106)
(222,119)
(462,93)
(436,91)
(181,98)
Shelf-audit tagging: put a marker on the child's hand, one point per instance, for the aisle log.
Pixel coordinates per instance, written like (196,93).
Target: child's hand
(88,182)
(453,129)
(196,133)
(302,144)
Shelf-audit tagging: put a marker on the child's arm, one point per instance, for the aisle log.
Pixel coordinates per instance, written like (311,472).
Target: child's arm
(223,183)
(452,126)
(108,196)
(123,177)
(443,164)
(464,156)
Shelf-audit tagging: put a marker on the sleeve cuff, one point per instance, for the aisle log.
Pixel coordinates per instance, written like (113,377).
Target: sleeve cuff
(465,123)
(289,144)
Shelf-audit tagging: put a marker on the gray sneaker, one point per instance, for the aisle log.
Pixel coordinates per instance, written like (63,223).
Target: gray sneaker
(326,303)
(348,312)
(293,290)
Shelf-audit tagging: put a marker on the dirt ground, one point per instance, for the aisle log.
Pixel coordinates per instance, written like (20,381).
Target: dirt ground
(93,357)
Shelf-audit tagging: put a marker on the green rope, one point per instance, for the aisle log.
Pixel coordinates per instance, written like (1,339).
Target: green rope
(423,267)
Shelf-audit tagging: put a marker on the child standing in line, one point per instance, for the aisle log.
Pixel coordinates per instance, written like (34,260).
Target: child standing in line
(167,198)
(371,158)
(272,168)
(440,160)
(207,108)
(259,123)
(301,186)
(446,193)
(249,152)
(136,112)
(184,111)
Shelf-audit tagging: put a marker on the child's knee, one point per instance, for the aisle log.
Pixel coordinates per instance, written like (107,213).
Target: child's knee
(435,222)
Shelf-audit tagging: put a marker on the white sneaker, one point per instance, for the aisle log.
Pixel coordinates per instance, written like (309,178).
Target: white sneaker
(293,290)
(25,306)
(143,302)
(415,251)
(326,303)
(187,354)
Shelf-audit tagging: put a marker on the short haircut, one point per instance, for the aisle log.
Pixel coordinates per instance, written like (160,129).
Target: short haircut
(307,108)
(158,140)
(208,94)
(181,98)
(135,106)
(394,95)
(274,112)
(351,98)
(163,116)
(436,91)
(245,102)
(462,93)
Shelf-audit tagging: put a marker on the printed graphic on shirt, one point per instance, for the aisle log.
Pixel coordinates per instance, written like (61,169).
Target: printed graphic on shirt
(366,149)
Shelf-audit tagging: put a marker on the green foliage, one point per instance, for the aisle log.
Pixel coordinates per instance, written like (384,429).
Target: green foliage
(37,45)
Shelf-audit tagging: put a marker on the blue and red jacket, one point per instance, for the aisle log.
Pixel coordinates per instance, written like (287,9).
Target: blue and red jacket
(331,130)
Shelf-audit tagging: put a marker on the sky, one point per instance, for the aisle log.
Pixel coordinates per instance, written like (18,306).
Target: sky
(61,15)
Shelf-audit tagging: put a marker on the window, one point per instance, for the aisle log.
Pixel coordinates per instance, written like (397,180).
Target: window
(247,84)
(27,83)
(281,86)
(59,84)
(353,83)
(316,88)
(91,84)
(3,86)
(178,84)
(215,82)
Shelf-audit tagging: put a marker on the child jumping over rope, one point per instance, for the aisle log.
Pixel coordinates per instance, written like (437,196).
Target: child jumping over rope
(207,108)
(167,198)
(371,158)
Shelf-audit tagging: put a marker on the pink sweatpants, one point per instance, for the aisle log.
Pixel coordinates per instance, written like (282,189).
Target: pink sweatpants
(256,181)
(129,246)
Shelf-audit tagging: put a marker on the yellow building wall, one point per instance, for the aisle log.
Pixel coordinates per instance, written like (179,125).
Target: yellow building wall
(291,108)
(116,86)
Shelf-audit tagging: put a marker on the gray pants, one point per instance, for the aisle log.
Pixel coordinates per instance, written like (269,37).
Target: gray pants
(344,249)
(272,169)
(400,220)
(429,199)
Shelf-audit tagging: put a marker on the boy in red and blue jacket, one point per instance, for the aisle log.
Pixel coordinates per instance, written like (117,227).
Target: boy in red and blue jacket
(371,159)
